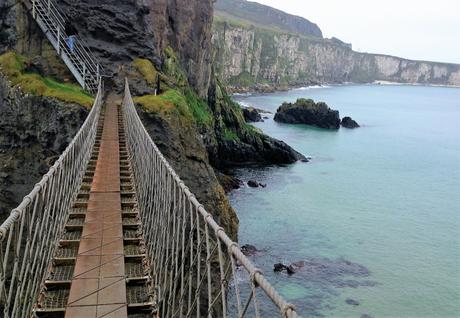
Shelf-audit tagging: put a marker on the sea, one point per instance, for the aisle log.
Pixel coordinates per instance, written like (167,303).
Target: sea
(373,220)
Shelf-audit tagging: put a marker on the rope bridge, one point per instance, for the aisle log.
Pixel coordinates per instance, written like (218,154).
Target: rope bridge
(196,270)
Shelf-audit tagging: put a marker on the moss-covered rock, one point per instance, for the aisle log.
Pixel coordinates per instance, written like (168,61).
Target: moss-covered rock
(34,131)
(14,67)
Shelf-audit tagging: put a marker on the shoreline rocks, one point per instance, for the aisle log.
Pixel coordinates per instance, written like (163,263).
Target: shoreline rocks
(279,267)
(251,115)
(306,111)
(229,183)
(255,184)
(249,250)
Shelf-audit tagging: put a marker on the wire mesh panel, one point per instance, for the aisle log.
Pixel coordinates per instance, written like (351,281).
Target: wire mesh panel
(28,237)
(197,269)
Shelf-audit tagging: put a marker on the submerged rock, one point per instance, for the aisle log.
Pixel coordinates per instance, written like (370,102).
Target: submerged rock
(352,302)
(306,111)
(251,115)
(279,267)
(255,184)
(348,122)
(249,250)
(229,183)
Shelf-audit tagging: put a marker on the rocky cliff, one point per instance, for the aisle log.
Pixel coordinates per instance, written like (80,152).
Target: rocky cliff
(248,54)
(33,133)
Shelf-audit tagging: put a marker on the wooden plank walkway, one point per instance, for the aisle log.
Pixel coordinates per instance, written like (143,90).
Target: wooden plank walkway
(98,287)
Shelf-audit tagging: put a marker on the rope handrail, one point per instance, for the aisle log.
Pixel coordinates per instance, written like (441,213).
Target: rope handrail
(29,236)
(195,266)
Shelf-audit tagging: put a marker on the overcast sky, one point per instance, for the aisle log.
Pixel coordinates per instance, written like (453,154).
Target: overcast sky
(415,29)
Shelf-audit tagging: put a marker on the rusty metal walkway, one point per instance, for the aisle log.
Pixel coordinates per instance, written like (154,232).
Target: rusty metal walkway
(99,269)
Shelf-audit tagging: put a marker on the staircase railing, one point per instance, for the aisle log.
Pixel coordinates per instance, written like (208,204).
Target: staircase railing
(197,269)
(29,236)
(81,62)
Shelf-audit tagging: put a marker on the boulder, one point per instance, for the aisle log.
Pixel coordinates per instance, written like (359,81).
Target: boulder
(249,250)
(251,115)
(348,122)
(229,183)
(306,111)
(279,267)
(253,184)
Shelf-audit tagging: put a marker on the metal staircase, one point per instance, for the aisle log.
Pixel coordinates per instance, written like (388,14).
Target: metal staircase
(78,58)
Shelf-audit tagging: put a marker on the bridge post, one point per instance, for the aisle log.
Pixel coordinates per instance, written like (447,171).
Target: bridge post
(49,6)
(58,40)
(33,9)
(84,76)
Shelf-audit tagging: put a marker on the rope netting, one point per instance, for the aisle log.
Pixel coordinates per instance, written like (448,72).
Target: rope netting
(196,268)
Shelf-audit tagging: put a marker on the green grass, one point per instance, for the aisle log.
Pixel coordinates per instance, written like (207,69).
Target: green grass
(146,68)
(199,108)
(188,105)
(12,65)
(170,102)
(230,134)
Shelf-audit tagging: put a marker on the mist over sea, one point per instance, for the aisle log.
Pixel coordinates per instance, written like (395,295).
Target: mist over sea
(375,215)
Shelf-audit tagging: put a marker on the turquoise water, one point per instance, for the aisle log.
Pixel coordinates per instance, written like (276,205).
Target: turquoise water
(376,213)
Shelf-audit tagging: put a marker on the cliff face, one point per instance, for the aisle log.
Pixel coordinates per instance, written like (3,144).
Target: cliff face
(247,55)
(33,133)
(120,31)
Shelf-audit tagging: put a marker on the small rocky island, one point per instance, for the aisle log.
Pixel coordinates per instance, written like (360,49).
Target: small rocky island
(348,122)
(306,111)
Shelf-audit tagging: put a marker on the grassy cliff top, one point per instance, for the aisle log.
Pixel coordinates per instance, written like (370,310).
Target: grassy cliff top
(265,16)
(13,66)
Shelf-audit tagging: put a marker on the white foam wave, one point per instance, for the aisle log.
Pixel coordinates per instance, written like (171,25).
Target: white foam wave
(311,87)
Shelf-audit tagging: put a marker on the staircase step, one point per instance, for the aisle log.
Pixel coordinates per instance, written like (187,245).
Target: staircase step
(131,222)
(136,271)
(134,251)
(130,211)
(67,250)
(61,275)
(131,235)
(53,300)
(71,235)
(139,295)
